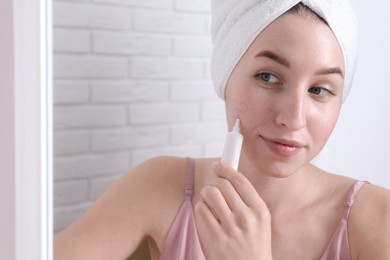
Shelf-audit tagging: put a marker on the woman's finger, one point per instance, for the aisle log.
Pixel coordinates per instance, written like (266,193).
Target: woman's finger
(229,193)
(205,218)
(216,203)
(242,185)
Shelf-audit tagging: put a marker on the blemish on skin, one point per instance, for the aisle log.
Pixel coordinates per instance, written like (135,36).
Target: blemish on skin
(237,111)
(241,108)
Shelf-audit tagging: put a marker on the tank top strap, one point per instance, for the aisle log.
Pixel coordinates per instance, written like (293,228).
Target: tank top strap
(351,197)
(190,178)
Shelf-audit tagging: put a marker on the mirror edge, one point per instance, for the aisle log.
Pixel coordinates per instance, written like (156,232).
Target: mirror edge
(33,128)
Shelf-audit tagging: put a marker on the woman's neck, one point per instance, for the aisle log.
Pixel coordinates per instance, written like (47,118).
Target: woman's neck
(284,194)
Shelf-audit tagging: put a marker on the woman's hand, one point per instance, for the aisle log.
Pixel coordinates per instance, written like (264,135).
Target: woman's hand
(232,220)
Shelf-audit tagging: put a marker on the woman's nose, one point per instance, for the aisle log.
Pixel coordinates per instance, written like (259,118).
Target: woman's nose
(291,112)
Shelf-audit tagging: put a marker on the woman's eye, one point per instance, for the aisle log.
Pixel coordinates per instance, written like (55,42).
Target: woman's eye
(320,91)
(268,77)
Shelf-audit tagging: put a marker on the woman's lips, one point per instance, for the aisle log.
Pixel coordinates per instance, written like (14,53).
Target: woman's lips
(283,147)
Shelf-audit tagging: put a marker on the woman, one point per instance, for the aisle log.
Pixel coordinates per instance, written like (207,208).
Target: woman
(284,69)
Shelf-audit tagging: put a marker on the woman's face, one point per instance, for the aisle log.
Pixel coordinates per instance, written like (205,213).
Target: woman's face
(287,92)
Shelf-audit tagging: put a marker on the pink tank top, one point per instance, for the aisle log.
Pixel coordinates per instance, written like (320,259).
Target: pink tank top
(182,241)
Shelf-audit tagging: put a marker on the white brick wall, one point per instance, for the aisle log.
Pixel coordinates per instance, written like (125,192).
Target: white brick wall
(131,81)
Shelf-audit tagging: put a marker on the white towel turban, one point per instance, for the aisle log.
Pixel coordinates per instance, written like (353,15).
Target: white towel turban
(236,23)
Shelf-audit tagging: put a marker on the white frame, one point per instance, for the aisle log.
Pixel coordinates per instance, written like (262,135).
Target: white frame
(26,129)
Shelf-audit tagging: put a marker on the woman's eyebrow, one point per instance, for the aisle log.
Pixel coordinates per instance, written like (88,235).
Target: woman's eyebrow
(279,59)
(334,70)
(273,56)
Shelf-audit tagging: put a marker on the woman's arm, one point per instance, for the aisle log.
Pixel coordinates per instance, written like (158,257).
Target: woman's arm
(121,218)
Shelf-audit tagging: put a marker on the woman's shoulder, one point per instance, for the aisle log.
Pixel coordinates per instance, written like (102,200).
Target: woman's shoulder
(168,174)
(372,202)
(369,223)
(369,218)
(159,179)
(160,170)
(161,183)
(141,202)
(164,172)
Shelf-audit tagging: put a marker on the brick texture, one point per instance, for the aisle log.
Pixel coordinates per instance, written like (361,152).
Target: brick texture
(131,81)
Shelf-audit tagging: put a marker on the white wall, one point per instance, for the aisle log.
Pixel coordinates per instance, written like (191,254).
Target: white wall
(131,80)
(360,146)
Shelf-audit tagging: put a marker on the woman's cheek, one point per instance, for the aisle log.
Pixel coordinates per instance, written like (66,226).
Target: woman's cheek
(237,109)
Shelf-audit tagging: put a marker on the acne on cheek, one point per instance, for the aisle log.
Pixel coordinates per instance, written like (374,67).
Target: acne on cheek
(237,109)
(237,105)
